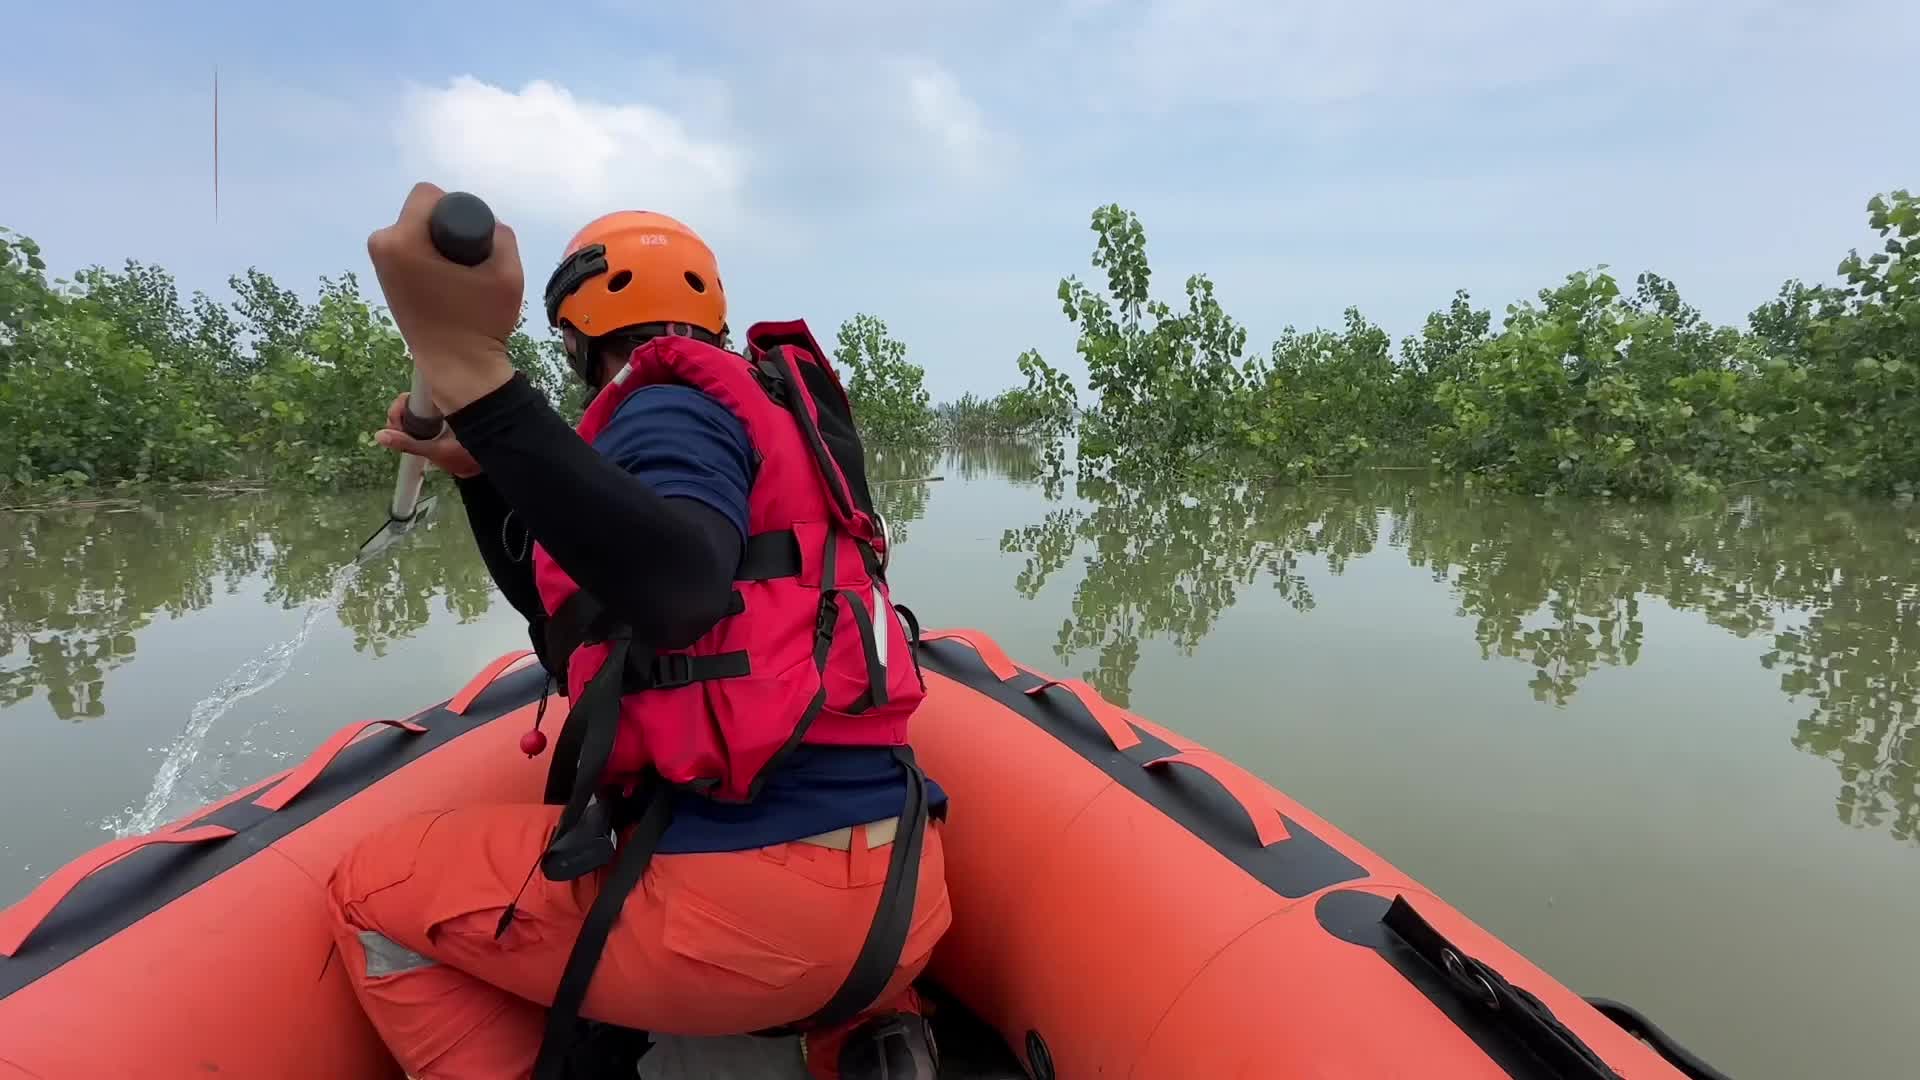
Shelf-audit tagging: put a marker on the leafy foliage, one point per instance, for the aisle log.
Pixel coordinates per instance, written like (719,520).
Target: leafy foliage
(888,393)
(1016,413)
(1164,381)
(1593,394)
(1325,399)
(1586,390)
(111,378)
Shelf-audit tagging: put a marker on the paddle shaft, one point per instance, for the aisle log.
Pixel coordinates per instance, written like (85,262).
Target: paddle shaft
(461,228)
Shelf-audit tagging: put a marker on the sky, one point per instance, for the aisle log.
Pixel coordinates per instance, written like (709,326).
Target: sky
(936,163)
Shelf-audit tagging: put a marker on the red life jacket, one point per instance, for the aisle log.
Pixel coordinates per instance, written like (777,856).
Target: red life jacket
(814,653)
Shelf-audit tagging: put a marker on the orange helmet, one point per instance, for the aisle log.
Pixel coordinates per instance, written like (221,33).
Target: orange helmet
(634,268)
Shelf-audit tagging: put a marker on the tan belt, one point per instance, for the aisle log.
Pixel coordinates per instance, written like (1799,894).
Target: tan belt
(878,833)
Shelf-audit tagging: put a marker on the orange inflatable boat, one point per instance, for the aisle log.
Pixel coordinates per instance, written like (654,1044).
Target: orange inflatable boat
(1126,904)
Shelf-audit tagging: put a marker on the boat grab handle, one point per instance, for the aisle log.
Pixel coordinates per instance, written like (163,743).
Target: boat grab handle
(1111,718)
(297,781)
(23,918)
(477,685)
(1246,789)
(991,654)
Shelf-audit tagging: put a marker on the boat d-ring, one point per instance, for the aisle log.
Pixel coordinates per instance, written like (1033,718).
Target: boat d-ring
(886,541)
(1473,981)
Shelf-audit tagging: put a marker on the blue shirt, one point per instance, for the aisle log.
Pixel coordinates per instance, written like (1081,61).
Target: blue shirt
(684,444)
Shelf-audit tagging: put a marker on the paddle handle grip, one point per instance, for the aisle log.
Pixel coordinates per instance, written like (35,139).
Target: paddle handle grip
(461,229)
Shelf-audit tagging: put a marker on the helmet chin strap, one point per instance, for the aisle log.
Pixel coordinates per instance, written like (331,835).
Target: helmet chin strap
(586,363)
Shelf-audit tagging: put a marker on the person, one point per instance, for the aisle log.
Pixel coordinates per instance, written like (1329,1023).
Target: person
(735,837)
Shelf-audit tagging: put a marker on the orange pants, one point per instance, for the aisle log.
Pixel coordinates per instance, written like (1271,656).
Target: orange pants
(706,944)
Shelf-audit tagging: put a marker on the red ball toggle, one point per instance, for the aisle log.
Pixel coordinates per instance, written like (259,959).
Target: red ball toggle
(533,742)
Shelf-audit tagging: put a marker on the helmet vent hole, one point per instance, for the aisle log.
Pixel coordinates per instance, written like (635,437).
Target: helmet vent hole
(620,281)
(696,282)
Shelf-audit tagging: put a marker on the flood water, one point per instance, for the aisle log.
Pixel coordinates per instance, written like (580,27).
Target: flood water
(1669,753)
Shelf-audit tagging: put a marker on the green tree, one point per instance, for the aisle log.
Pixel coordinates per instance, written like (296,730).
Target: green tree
(1164,381)
(316,402)
(887,392)
(1837,396)
(1590,393)
(544,361)
(1326,400)
(82,400)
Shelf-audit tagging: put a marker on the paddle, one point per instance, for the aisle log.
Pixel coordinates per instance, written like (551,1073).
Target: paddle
(461,227)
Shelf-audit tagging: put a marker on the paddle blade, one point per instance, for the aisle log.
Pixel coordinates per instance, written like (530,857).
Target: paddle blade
(390,533)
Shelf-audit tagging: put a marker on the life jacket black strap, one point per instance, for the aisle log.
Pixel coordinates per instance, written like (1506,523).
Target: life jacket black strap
(826,617)
(886,937)
(581,620)
(876,691)
(580,756)
(769,555)
(777,375)
(912,622)
(581,753)
(670,671)
(635,853)
(1501,1003)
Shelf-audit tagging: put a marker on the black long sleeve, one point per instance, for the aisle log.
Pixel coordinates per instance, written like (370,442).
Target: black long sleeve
(663,565)
(504,544)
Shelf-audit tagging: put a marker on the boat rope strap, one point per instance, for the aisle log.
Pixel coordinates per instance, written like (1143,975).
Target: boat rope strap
(1636,1024)
(1502,1004)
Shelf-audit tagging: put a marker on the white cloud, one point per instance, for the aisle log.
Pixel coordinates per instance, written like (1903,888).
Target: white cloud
(951,121)
(945,113)
(543,153)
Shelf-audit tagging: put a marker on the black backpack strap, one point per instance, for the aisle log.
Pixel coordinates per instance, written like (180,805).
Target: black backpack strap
(635,855)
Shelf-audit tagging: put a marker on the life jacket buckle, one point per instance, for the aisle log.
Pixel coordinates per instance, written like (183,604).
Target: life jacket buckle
(770,377)
(671,671)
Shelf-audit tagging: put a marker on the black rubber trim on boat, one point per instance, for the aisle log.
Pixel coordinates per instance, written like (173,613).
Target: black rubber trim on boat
(121,894)
(1354,917)
(1299,866)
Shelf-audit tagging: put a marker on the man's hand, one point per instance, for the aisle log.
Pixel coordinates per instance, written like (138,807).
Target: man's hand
(443,450)
(455,319)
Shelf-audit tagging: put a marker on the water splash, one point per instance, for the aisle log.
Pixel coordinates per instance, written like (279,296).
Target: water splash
(247,680)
